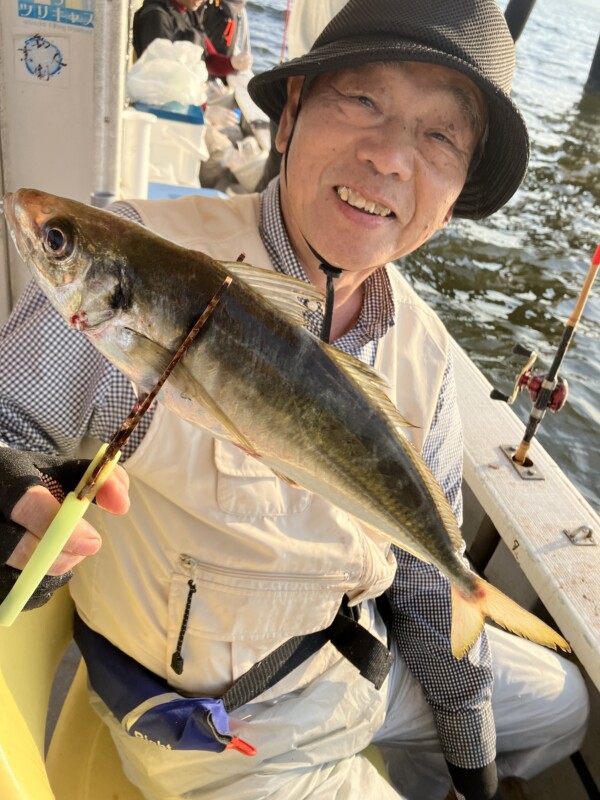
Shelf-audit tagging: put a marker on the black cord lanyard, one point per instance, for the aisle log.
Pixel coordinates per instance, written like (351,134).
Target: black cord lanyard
(331,272)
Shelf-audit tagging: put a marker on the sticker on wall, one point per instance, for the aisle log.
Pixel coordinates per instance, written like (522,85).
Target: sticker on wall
(41,59)
(68,12)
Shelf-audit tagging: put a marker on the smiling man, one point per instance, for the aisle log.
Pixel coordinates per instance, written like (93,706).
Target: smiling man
(398,119)
(374,166)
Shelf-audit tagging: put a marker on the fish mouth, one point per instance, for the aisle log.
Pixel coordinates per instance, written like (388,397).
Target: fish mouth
(91,326)
(357,200)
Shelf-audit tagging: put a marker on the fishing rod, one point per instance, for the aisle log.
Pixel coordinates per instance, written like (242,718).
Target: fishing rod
(547,392)
(285,31)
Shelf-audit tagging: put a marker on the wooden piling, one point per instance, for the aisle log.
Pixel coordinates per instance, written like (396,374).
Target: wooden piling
(516,15)
(593,81)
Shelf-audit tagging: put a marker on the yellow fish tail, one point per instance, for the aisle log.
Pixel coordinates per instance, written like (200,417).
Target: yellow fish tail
(469,614)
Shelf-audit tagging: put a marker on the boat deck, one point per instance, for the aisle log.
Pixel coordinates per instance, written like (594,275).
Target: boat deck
(515,533)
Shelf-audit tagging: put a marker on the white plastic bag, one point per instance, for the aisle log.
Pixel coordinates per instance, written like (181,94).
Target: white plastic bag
(169,72)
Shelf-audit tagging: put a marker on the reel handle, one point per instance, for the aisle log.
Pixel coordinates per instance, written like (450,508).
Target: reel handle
(531,356)
(496,394)
(521,350)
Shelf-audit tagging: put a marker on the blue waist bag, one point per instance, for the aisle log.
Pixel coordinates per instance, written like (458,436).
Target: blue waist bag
(148,707)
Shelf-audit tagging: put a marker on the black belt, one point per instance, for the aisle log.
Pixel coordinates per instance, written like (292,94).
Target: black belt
(372,658)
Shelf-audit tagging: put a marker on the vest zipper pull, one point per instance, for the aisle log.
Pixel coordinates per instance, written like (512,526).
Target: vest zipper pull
(177,658)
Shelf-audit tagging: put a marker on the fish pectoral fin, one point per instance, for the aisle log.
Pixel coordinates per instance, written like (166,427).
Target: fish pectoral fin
(468,617)
(284,292)
(143,350)
(152,353)
(203,398)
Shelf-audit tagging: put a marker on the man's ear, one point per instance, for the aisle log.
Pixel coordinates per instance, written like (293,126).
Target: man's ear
(288,115)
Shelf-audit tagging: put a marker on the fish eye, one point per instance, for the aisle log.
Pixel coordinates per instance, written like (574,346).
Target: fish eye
(58,239)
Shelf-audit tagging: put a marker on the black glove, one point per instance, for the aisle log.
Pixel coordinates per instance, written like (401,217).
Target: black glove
(476,784)
(19,471)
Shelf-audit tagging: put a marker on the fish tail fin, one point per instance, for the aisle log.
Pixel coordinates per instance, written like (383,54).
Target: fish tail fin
(468,616)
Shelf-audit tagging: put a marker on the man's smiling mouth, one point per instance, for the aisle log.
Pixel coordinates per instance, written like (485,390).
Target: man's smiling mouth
(356,200)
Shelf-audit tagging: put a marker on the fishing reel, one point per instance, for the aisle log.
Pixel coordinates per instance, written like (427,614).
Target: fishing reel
(548,392)
(535,384)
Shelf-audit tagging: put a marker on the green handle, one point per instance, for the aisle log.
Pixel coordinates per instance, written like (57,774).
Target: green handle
(53,541)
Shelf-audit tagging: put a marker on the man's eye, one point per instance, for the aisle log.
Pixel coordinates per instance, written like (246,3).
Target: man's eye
(356,98)
(365,101)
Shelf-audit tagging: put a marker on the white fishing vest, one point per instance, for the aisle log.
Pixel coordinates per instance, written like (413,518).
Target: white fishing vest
(269,561)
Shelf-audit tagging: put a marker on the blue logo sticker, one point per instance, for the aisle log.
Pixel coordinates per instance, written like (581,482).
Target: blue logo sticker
(42,58)
(69,12)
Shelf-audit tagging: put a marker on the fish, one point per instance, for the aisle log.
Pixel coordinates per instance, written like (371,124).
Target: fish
(317,417)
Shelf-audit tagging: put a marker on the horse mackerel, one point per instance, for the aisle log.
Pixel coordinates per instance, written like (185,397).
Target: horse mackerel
(317,417)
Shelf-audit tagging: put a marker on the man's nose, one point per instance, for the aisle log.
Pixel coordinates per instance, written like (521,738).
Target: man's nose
(391,149)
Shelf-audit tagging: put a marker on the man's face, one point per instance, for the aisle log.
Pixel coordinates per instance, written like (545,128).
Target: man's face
(377,160)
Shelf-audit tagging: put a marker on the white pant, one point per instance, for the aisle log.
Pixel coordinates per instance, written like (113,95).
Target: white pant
(308,741)
(540,704)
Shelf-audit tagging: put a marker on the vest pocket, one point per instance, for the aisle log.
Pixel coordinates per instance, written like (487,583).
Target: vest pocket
(242,616)
(247,489)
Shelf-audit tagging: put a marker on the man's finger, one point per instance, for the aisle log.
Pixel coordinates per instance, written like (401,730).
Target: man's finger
(114,495)
(75,551)
(35,510)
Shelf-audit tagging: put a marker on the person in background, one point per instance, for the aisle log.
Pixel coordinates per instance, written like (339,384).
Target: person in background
(181,20)
(225,23)
(398,119)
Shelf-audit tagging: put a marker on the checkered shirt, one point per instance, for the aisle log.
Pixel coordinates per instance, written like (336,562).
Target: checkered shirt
(55,388)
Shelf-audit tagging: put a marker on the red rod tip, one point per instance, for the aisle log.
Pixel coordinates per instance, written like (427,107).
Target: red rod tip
(596,258)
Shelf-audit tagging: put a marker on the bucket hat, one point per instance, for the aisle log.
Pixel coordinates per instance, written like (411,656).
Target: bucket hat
(470,36)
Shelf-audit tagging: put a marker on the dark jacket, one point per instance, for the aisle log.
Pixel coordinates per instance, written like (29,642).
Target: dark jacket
(160,19)
(221,23)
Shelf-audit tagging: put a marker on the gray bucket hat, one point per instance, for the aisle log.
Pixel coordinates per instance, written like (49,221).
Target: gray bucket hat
(470,36)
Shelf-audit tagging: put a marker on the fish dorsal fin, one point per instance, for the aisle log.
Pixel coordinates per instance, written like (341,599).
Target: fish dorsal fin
(371,382)
(285,292)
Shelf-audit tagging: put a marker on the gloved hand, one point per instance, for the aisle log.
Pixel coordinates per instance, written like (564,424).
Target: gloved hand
(241,61)
(32,485)
(476,784)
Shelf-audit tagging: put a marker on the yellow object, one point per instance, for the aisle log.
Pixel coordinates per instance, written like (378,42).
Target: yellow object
(82,762)
(373,754)
(71,511)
